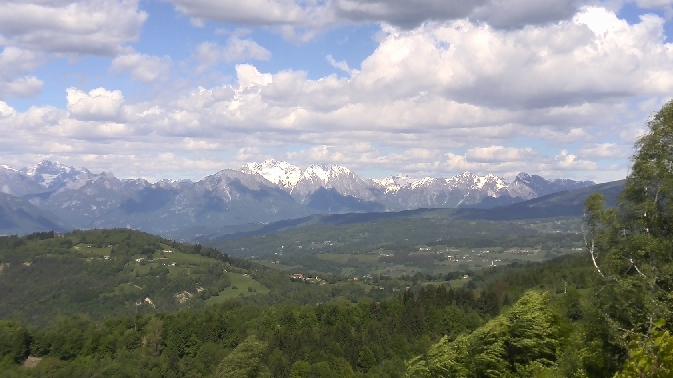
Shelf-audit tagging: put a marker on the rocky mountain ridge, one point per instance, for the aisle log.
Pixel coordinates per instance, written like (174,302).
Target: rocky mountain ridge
(258,192)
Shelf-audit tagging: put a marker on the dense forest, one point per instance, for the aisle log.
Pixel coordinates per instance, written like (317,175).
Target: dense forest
(335,339)
(604,313)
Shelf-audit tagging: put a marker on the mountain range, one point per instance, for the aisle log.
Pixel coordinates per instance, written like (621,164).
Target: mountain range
(257,193)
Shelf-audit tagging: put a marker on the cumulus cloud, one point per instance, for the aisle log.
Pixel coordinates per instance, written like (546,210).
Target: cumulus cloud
(27,86)
(247,12)
(142,67)
(520,13)
(342,65)
(209,54)
(14,63)
(99,27)
(97,105)
(440,98)
(400,13)
(664,5)
(499,153)
(604,150)
(567,161)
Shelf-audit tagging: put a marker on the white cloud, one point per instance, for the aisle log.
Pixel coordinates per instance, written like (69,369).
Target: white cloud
(14,63)
(97,105)
(342,65)
(500,154)
(441,98)
(210,54)
(142,67)
(27,86)
(99,27)
(238,50)
(604,150)
(664,5)
(566,161)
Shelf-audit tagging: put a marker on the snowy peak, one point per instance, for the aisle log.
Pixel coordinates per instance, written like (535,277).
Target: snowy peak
(393,184)
(289,176)
(325,173)
(280,173)
(54,175)
(490,181)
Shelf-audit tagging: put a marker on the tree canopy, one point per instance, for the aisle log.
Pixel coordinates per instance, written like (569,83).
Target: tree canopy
(632,245)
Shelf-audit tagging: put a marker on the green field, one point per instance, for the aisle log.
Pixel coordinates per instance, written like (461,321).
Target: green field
(239,287)
(90,250)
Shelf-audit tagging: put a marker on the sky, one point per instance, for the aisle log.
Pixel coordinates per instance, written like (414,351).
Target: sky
(184,88)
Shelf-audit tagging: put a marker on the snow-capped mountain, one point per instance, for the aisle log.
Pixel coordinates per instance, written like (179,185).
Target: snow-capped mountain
(393,184)
(54,175)
(301,184)
(280,173)
(15,183)
(258,192)
(528,187)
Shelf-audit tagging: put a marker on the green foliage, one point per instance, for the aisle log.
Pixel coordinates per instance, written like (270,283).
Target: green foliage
(650,355)
(245,361)
(105,273)
(631,245)
(335,340)
(14,342)
(366,359)
(510,345)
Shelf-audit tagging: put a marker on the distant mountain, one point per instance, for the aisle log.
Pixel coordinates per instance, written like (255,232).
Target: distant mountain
(21,217)
(54,175)
(405,193)
(257,193)
(225,198)
(301,184)
(15,183)
(528,187)
(562,204)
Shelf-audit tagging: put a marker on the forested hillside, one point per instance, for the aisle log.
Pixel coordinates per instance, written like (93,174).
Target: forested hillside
(336,339)
(107,273)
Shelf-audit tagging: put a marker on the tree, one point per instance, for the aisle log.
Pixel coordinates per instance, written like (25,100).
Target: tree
(245,361)
(300,369)
(630,245)
(366,359)
(514,344)
(650,355)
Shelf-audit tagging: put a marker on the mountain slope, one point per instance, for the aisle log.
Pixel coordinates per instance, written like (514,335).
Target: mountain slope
(564,204)
(21,217)
(225,198)
(257,193)
(15,183)
(567,203)
(54,175)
